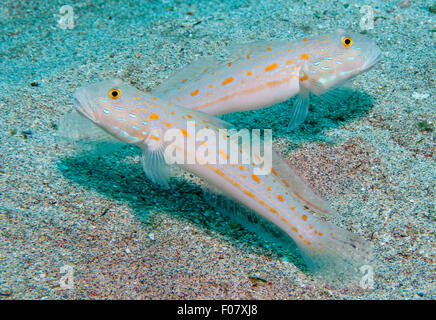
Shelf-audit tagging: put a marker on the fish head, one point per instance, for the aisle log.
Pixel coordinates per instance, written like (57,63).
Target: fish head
(107,104)
(338,57)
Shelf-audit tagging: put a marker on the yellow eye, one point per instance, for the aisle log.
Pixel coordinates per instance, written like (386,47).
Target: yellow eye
(347,41)
(114,93)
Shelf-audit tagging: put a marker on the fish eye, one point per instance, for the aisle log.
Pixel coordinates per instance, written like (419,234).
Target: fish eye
(114,93)
(347,41)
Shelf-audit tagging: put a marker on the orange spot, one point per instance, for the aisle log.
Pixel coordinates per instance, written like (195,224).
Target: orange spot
(229,64)
(248,57)
(292,208)
(155,138)
(304,56)
(184,80)
(290,61)
(304,78)
(223,154)
(211,86)
(154,98)
(249,73)
(286,183)
(154,116)
(280,197)
(172,113)
(195,92)
(304,217)
(227,81)
(269,49)
(268,188)
(289,50)
(271,67)
(241,167)
(255,178)
(168,124)
(189,116)
(295,229)
(304,39)
(274,172)
(185,133)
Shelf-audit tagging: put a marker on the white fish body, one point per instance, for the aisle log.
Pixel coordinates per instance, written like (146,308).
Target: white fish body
(279,197)
(263,73)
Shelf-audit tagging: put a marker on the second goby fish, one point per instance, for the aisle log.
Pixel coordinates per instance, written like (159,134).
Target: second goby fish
(264,73)
(279,197)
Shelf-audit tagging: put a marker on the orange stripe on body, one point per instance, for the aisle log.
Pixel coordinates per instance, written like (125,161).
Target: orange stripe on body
(241,187)
(247,91)
(308,202)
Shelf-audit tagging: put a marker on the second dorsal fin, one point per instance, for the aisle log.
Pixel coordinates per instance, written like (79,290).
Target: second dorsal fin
(186,76)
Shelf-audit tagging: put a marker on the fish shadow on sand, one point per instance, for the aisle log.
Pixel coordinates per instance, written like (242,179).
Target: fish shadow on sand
(124,181)
(323,116)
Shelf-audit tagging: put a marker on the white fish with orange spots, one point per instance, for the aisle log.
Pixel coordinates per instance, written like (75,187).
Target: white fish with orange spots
(279,197)
(264,73)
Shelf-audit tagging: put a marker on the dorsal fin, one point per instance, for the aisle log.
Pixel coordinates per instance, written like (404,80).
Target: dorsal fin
(301,191)
(187,75)
(178,83)
(254,48)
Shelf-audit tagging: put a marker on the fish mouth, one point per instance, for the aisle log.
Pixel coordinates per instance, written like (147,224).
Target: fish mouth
(82,105)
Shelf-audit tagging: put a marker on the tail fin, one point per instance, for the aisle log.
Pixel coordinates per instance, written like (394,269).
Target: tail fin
(336,254)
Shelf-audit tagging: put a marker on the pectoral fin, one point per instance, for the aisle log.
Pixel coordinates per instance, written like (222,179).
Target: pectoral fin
(154,165)
(300,110)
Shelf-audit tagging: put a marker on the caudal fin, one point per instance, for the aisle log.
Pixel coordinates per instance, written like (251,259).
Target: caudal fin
(335,253)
